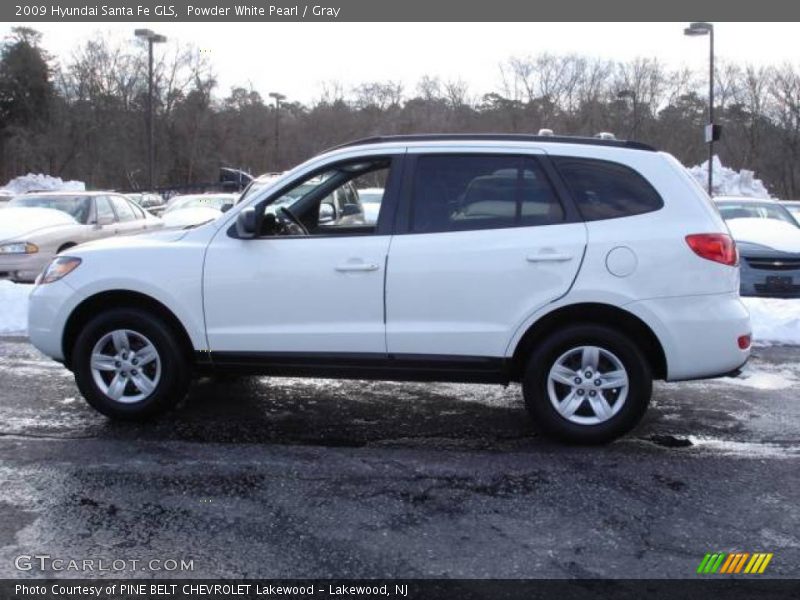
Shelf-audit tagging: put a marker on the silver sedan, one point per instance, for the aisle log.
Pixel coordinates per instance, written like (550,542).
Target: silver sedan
(36,227)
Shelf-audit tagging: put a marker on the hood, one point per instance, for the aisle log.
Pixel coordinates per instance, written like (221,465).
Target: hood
(183,217)
(771,233)
(141,239)
(17,222)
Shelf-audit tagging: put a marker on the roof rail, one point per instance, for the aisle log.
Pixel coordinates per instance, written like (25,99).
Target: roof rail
(492,137)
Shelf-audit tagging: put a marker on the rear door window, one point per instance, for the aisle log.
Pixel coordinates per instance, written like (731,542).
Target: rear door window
(123,209)
(105,213)
(465,192)
(606,190)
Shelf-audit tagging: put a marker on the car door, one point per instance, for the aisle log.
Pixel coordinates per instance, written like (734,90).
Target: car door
(489,239)
(318,295)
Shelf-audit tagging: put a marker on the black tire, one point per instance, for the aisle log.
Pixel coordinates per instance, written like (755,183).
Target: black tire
(175,371)
(550,422)
(66,246)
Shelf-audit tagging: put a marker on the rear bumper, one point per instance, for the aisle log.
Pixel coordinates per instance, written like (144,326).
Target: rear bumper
(699,334)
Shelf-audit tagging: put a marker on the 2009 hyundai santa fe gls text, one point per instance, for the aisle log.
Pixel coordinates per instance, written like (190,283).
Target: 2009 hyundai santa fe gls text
(583,268)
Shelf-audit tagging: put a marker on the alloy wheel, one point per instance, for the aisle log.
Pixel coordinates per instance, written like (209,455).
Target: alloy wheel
(588,385)
(125,366)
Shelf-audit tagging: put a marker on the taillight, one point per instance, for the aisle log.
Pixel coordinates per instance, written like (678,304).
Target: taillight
(744,342)
(718,247)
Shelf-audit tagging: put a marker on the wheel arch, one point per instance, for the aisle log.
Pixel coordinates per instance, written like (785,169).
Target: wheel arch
(597,314)
(92,305)
(66,246)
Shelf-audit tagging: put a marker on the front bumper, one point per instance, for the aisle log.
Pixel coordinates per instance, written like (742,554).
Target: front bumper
(770,274)
(23,268)
(49,308)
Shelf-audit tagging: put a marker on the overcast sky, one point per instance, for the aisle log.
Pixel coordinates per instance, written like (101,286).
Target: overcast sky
(294,58)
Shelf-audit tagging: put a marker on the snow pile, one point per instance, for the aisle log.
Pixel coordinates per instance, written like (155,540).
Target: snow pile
(727,182)
(14,307)
(34,182)
(774,320)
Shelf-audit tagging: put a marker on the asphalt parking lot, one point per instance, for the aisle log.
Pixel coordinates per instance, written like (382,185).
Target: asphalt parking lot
(317,478)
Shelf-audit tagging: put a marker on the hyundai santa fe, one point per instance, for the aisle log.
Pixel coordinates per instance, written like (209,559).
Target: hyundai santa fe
(582,268)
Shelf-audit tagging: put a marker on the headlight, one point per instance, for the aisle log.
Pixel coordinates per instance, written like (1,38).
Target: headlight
(19,248)
(58,268)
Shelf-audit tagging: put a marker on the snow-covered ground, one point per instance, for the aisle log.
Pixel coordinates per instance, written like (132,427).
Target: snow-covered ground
(775,321)
(38,182)
(13,307)
(727,182)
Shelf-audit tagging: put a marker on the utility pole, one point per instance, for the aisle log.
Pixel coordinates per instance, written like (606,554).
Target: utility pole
(152,38)
(278,99)
(712,131)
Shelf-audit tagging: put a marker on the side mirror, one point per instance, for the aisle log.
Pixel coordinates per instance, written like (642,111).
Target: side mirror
(226,207)
(327,213)
(247,223)
(351,210)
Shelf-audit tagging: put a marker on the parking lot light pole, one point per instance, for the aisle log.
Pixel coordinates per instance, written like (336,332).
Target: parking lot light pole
(152,38)
(632,95)
(278,99)
(695,29)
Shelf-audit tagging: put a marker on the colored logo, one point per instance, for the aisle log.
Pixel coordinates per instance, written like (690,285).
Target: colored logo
(739,562)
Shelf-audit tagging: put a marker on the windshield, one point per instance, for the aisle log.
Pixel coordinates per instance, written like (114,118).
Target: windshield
(296,193)
(755,210)
(78,207)
(254,186)
(204,201)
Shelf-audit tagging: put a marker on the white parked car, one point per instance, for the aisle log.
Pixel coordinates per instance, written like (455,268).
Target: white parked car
(196,209)
(582,268)
(37,226)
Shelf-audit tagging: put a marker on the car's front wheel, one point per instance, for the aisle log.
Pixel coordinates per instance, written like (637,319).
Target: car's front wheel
(587,384)
(128,364)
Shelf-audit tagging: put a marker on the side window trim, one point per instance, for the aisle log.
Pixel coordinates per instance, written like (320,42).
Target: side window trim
(405,209)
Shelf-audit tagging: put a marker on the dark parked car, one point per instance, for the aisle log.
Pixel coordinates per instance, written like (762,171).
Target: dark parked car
(768,238)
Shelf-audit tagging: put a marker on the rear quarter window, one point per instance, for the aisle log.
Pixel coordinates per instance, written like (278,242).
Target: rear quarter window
(606,190)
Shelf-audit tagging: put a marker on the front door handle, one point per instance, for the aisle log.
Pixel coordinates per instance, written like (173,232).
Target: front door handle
(548,257)
(357,267)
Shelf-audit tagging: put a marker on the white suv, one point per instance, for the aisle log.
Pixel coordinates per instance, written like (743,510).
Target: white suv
(582,268)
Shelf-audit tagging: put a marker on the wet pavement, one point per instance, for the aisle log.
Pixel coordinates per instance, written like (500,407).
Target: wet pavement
(277,477)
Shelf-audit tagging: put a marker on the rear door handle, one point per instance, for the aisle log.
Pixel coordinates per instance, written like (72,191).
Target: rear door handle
(357,267)
(548,257)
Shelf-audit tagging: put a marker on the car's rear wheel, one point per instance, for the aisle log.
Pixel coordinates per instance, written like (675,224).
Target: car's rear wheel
(128,364)
(587,384)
